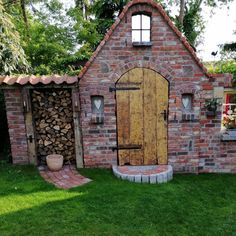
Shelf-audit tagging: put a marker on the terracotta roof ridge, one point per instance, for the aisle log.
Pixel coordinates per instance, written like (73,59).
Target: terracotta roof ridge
(166,18)
(22,79)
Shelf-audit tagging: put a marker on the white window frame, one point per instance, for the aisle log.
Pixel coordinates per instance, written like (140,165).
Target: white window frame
(141,29)
(226,115)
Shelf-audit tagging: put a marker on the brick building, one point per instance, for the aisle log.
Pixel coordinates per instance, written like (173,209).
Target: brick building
(139,100)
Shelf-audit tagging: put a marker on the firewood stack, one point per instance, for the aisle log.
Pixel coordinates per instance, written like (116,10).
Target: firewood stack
(53,116)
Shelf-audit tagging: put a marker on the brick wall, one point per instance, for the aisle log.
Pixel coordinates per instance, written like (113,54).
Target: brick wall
(16,125)
(168,57)
(215,155)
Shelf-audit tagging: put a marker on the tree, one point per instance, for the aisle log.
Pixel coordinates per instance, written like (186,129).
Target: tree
(12,56)
(229,49)
(189,19)
(49,42)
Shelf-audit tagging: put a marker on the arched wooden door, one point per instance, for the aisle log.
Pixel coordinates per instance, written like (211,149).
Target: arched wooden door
(142,107)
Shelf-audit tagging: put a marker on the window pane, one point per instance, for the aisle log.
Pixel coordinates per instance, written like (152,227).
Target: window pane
(97,104)
(146,22)
(146,36)
(136,36)
(187,101)
(136,22)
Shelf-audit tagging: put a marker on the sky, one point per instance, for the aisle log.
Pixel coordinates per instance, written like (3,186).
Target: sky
(219,30)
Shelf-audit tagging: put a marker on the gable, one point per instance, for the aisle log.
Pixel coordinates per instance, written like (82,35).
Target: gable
(171,35)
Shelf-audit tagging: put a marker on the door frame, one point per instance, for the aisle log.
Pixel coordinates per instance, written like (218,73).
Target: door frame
(167,121)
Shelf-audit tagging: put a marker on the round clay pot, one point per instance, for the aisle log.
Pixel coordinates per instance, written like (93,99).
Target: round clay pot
(54,162)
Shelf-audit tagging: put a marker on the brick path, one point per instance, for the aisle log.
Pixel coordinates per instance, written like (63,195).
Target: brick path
(142,170)
(66,178)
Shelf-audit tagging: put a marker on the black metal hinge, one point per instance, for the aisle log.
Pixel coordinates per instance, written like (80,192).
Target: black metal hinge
(127,147)
(112,89)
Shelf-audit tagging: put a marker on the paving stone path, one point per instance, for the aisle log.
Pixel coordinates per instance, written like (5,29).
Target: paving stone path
(66,178)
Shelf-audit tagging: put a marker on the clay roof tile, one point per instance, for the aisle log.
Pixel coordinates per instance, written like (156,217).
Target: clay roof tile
(34,79)
(22,79)
(71,80)
(57,79)
(10,80)
(45,79)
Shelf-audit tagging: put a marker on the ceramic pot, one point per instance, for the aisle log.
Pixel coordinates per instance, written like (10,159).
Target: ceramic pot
(54,162)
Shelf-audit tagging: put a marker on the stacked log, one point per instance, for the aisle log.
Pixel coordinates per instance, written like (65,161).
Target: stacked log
(53,117)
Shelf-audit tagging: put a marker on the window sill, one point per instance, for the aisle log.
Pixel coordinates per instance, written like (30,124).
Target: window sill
(228,135)
(142,44)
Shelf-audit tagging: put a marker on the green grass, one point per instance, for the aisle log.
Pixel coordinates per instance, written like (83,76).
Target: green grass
(188,205)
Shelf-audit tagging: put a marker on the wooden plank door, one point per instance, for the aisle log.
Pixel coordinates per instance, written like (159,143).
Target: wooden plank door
(142,104)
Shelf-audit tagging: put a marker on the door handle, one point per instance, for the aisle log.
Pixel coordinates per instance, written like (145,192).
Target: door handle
(164,113)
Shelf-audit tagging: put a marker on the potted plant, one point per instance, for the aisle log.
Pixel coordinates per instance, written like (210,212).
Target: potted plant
(211,106)
(54,162)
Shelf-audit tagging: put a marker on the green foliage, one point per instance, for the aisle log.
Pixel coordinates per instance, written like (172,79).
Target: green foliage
(193,23)
(223,67)
(229,50)
(50,39)
(86,32)
(12,56)
(230,47)
(212,103)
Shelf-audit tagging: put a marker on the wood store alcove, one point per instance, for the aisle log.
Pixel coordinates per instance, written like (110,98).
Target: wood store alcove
(142,113)
(52,114)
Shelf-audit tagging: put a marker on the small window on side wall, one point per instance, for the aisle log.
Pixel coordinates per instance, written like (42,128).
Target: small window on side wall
(229,110)
(97,103)
(141,29)
(187,102)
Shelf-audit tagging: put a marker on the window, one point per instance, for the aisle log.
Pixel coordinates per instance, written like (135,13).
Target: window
(97,104)
(141,28)
(187,101)
(229,110)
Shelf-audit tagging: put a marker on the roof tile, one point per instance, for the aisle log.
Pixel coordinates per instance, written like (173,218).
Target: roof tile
(22,79)
(10,80)
(33,80)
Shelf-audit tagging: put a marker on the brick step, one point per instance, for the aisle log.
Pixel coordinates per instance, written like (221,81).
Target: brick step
(155,174)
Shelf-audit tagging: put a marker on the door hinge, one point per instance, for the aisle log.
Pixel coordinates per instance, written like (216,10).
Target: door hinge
(127,147)
(113,89)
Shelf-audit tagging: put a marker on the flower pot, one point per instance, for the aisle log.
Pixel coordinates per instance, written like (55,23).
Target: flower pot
(54,162)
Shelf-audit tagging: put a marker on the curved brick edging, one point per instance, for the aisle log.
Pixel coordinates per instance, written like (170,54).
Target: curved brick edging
(142,176)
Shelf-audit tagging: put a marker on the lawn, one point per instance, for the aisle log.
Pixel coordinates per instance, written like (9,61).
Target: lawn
(188,205)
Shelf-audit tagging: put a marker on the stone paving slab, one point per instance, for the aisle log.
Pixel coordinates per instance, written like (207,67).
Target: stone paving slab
(154,174)
(66,178)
